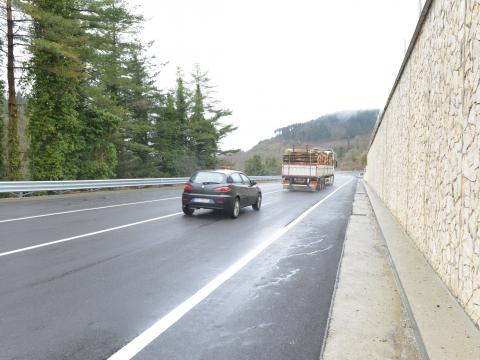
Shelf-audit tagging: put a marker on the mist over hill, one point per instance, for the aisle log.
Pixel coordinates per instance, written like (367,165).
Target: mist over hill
(347,132)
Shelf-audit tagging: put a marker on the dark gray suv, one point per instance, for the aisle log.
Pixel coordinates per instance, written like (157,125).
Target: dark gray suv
(226,190)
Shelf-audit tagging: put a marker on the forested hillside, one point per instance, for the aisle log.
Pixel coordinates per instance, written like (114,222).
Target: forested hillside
(348,133)
(82,100)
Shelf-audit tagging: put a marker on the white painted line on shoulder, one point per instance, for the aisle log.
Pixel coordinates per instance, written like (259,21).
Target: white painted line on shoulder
(88,209)
(141,341)
(86,235)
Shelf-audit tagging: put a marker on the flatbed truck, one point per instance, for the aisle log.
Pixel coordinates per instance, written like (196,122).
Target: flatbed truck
(308,168)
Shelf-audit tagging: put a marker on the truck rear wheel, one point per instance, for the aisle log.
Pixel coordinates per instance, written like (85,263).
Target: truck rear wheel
(330,180)
(320,184)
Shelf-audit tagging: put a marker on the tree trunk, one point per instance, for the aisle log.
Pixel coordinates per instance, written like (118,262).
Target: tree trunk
(13,168)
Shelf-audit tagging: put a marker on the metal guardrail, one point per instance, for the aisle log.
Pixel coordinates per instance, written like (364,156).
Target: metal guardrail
(34,186)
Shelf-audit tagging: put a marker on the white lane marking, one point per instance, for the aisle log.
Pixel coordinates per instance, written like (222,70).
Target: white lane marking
(273,192)
(88,209)
(146,337)
(87,235)
(101,208)
(90,234)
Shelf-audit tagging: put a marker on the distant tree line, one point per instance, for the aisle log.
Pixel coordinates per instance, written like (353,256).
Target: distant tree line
(347,133)
(333,126)
(93,107)
(255,166)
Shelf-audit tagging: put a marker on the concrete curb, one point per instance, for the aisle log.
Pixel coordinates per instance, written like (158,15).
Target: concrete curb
(444,329)
(367,318)
(403,296)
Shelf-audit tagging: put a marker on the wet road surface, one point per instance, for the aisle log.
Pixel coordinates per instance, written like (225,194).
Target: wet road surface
(83,275)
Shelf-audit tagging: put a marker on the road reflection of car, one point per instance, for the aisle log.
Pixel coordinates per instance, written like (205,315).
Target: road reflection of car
(226,190)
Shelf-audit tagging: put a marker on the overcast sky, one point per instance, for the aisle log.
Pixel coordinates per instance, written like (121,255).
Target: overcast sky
(277,62)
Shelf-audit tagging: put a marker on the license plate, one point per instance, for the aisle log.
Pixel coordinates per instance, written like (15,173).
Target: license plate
(203,201)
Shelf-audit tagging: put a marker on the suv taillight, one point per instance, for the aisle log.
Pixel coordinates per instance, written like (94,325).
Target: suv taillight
(223,189)
(188,187)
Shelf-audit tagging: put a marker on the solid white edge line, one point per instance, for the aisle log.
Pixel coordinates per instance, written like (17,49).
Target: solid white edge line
(87,235)
(100,208)
(136,345)
(88,209)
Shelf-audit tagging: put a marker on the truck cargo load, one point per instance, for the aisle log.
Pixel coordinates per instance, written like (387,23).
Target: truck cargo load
(308,168)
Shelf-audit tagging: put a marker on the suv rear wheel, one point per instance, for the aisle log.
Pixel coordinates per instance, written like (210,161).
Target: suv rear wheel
(258,203)
(188,211)
(235,211)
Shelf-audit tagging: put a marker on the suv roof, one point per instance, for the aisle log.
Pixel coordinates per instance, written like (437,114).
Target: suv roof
(223,171)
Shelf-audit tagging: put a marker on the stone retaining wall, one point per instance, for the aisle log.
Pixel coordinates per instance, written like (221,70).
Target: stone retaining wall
(424,161)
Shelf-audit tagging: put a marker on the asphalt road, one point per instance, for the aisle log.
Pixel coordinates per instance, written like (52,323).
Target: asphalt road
(83,275)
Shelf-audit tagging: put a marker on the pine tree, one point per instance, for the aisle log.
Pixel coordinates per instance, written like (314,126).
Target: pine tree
(94,38)
(165,136)
(97,158)
(94,109)
(142,106)
(203,135)
(2,131)
(13,157)
(124,84)
(2,148)
(2,127)
(205,129)
(100,110)
(181,113)
(56,70)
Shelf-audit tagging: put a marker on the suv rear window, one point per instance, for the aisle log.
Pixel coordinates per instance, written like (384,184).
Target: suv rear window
(207,177)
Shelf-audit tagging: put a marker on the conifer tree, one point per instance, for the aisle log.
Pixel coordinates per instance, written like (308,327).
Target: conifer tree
(181,113)
(165,137)
(94,108)
(143,101)
(56,70)
(2,127)
(203,135)
(101,109)
(2,131)
(13,157)
(97,158)
(205,129)
(125,84)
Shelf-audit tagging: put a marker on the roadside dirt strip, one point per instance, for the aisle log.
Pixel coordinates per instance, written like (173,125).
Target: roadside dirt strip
(367,315)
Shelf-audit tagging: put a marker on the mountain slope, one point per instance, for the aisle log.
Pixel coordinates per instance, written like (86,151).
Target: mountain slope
(348,133)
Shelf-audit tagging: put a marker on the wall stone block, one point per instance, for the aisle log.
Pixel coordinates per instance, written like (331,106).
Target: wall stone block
(424,161)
